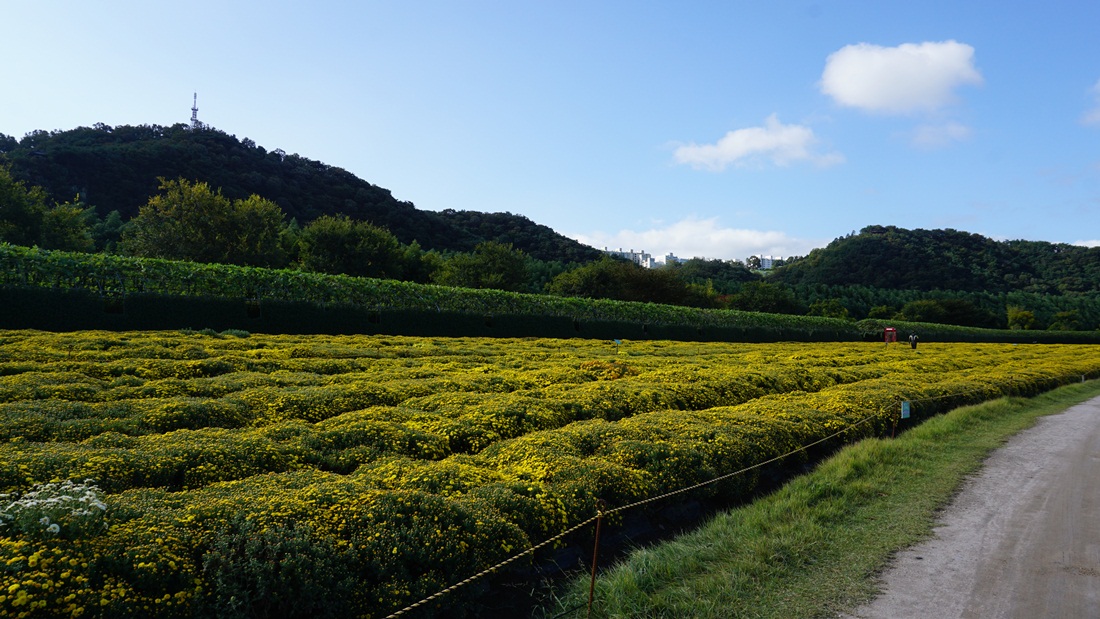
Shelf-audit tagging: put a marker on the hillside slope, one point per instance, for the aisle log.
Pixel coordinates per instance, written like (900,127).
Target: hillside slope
(116,168)
(888,257)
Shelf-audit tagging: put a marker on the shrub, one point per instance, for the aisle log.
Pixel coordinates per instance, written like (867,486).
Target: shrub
(57,509)
(279,570)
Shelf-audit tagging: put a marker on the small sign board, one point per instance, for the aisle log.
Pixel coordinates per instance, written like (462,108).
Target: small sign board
(905,410)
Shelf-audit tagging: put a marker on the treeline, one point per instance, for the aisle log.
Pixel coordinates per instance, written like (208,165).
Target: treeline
(892,258)
(991,310)
(949,277)
(116,169)
(193,221)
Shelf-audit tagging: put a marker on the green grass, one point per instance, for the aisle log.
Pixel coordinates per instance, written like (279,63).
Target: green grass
(814,547)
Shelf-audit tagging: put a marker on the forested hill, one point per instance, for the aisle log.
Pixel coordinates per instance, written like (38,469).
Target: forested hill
(116,168)
(888,257)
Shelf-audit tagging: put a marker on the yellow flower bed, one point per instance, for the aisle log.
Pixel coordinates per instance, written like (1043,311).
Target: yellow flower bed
(350,476)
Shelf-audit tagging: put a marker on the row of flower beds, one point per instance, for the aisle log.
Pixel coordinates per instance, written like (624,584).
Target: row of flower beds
(354,475)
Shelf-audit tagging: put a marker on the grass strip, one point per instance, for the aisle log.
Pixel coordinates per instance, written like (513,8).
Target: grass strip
(815,547)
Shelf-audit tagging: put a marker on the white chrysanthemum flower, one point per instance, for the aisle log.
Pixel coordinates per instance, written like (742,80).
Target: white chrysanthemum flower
(51,506)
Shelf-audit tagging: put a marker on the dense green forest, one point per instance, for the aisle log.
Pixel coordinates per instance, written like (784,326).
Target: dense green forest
(202,195)
(952,277)
(894,258)
(117,169)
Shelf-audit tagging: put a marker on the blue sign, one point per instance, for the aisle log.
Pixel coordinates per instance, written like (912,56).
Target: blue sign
(905,410)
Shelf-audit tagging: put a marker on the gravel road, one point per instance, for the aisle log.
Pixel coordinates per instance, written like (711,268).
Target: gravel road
(1022,539)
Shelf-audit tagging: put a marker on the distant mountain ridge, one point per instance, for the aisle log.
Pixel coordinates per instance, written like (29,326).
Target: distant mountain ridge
(889,257)
(116,168)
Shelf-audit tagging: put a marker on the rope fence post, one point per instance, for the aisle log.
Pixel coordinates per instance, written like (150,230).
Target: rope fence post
(896,416)
(600,506)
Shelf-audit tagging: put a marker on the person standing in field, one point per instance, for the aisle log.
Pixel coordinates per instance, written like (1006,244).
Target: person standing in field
(913,340)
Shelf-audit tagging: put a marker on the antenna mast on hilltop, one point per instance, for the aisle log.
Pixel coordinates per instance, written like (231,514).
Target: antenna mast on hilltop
(195,124)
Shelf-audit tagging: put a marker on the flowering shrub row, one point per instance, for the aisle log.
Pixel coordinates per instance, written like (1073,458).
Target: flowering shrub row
(350,476)
(134,411)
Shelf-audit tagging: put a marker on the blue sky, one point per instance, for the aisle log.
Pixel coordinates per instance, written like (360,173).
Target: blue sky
(714,129)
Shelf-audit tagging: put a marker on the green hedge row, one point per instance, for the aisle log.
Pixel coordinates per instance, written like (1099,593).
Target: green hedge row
(65,291)
(71,310)
(872,330)
(68,291)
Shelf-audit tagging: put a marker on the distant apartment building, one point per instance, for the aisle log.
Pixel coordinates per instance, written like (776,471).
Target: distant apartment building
(640,258)
(762,262)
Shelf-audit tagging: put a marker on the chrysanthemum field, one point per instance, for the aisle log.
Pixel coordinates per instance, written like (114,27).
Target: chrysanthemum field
(182,474)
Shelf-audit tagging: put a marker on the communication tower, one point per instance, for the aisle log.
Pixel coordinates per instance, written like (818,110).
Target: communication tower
(195,124)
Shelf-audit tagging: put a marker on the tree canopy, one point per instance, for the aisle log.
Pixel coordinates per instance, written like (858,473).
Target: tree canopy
(889,257)
(338,244)
(490,265)
(21,210)
(766,297)
(611,278)
(117,168)
(191,221)
(26,218)
(724,276)
(536,240)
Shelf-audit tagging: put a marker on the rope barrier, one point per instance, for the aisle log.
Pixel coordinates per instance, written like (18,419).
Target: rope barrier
(603,512)
(607,512)
(738,472)
(494,568)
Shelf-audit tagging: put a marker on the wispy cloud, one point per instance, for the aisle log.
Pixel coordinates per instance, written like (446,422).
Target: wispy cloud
(939,136)
(1092,117)
(702,238)
(912,77)
(781,144)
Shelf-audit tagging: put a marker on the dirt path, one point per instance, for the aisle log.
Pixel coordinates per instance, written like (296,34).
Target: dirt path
(1021,540)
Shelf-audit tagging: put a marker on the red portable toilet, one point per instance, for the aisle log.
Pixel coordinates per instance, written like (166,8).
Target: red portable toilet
(890,334)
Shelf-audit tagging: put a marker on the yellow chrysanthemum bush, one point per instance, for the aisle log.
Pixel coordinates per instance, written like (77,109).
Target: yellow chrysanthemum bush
(176,460)
(43,578)
(46,550)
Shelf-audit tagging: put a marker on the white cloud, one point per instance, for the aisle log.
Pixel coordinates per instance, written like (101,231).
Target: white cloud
(1092,117)
(1088,243)
(782,144)
(702,238)
(908,78)
(938,136)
